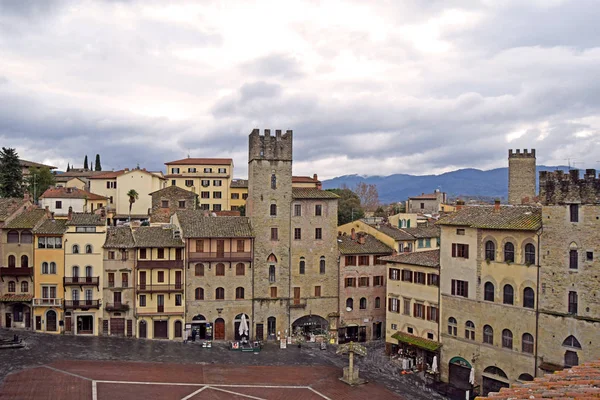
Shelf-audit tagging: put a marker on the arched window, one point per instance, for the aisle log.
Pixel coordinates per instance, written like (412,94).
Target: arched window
(452,329)
(239,293)
(509,295)
(322,265)
(12,287)
(349,304)
(488,334)
(220,293)
(488,291)
(240,269)
(199,270)
(75,271)
(75,249)
(26,237)
(271,273)
(273,181)
(302,266)
(509,252)
(199,293)
(12,261)
(363,303)
(571,359)
(178,329)
(272,258)
(507,339)
(377,302)
(490,250)
(273,210)
(529,254)
(88,271)
(527,343)
(220,269)
(24,261)
(528,297)
(525,377)
(495,371)
(12,237)
(24,287)
(470,330)
(52,267)
(573,256)
(572,341)
(44,267)
(88,249)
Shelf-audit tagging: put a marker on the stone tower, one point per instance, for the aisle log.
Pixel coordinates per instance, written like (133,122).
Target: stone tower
(521,175)
(269,208)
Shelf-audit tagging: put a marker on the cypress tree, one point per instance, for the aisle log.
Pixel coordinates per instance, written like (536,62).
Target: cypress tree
(85,163)
(11,175)
(97,167)
(68,168)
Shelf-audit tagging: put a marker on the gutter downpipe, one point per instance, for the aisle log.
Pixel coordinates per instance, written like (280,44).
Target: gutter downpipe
(537,302)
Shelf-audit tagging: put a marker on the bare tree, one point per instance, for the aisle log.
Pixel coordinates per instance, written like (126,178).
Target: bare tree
(368,195)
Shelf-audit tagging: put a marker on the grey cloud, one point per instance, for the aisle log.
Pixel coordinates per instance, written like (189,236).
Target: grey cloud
(30,8)
(274,66)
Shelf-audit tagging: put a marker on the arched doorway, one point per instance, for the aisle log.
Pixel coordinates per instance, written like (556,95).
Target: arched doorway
(310,324)
(200,328)
(271,328)
(236,326)
(51,321)
(459,371)
(219,329)
(494,379)
(142,330)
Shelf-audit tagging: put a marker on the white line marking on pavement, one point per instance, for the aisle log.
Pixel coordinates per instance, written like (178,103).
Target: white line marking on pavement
(320,394)
(66,372)
(189,396)
(94,391)
(237,394)
(154,383)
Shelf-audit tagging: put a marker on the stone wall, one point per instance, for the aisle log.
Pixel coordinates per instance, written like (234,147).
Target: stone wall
(560,188)
(521,175)
(173,195)
(118,266)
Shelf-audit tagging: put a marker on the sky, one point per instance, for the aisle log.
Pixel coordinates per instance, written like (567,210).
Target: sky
(369,88)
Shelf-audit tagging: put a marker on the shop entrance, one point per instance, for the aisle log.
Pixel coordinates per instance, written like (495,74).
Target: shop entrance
(200,328)
(85,325)
(310,324)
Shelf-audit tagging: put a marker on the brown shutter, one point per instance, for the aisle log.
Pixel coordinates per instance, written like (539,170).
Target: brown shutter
(428,313)
(415,310)
(466,289)
(453,249)
(411,276)
(389,304)
(390,273)
(466,246)
(453,291)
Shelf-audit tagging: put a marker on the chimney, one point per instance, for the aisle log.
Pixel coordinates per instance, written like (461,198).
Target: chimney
(497,205)
(459,205)
(70,215)
(353,234)
(26,196)
(361,239)
(48,214)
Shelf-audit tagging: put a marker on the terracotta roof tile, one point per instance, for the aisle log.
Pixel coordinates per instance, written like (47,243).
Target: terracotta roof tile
(119,237)
(70,193)
(7,298)
(201,161)
(195,225)
(52,227)
(312,193)
(393,232)
(528,218)
(27,219)
(108,174)
(239,183)
(304,179)
(429,258)
(172,189)
(29,164)
(8,206)
(425,196)
(425,231)
(86,219)
(156,236)
(371,245)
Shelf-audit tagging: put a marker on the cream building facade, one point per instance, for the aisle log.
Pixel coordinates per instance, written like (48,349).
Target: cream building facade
(60,199)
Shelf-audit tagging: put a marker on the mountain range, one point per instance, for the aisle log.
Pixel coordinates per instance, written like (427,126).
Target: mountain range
(463,183)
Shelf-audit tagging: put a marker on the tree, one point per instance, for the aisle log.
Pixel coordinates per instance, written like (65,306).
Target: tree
(68,168)
(368,195)
(85,163)
(97,166)
(380,212)
(11,174)
(133,196)
(349,208)
(242,210)
(38,181)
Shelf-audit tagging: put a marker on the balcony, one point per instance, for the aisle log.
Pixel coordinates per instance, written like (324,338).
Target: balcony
(81,280)
(220,256)
(116,307)
(16,271)
(163,264)
(47,302)
(81,304)
(163,288)
(160,310)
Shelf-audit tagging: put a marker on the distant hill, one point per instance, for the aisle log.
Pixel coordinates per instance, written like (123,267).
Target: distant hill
(463,183)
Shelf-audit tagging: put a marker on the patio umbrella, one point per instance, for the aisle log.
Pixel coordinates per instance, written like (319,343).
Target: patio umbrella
(472,376)
(434,366)
(243,329)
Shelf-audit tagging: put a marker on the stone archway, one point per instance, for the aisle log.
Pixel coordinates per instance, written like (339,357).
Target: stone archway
(493,380)
(310,324)
(459,371)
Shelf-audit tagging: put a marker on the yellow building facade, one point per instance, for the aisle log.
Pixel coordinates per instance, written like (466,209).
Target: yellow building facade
(238,193)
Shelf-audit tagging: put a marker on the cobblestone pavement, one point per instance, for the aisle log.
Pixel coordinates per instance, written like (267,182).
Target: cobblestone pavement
(43,349)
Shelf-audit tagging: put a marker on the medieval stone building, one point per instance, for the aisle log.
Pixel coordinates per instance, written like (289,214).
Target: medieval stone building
(521,175)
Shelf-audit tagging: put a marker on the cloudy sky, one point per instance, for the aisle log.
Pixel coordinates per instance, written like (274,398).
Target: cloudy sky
(371,88)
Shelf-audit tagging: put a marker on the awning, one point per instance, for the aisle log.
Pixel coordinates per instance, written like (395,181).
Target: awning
(426,344)
(10,298)
(551,367)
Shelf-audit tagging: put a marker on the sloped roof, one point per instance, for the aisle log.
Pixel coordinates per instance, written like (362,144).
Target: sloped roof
(579,382)
(8,298)
(155,236)
(428,231)
(28,219)
(52,227)
(8,206)
(527,218)
(239,183)
(80,174)
(304,179)
(393,232)
(371,245)
(423,343)
(195,225)
(201,161)
(312,193)
(29,164)
(429,258)
(172,189)
(119,237)
(70,193)
(108,174)
(86,219)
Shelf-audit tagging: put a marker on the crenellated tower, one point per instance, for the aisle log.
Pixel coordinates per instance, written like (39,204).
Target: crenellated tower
(521,175)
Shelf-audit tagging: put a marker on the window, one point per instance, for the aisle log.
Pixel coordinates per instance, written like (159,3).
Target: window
(589,256)
(271,273)
(350,282)
(205,183)
(12,287)
(460,250)
(433,279)
(572,302)
(406,307)
(189,182)
(571,359)
(220,269)
(181,203)
(460,288)
(240,269)
(216,195)
(111,279)
(490,250)
(199,293)
(273,292)
(205,195)
(377,302)
(394,327)
(173,182)
(350,260)
(205,207)
(111,255)
(235,196)
(433,313)
(407,275)
(273,181)
(177,300)
(527,343)
(124,279)
(217,182)
(529,254)
(207,170)
(192,169)
(508,295)
(507,339)
(13,237)
(88,271)
(44,268)
(349,304)
(420,278)
(273,210)
(318,233)
(488,291)
(302,266)
(430,336)
(419,311)
(363,281)
(452,329)
(378,280)
(317,291)
(88,249)
(363,303)
(41,242)
(75,249)
(274,235)
(322,265)
(488,335)
(574,212)
(297,210)
(459,231)
(318,210)
(174,170)
(573,256)
(222,170)
(427,242)
(420,243)
(12,261)
(528,298)
(142,300)
(58,204)
(393,305)
(244,196)
(297,233)
(199,270)
(509,252)
(422,205)
(470,330)
(363,260)
(220,293)
(24,287)
(160,276)
(394,274)
(52,268)
(161,253)
(142,254)
(239,293)
(240,246)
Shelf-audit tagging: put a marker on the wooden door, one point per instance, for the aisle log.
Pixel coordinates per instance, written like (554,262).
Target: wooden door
(142,332)
(129,328)
(142,280)
(260,332)
(68,325)
(8,320)
(178,280)
(161,330)
(51,321)
(117,326)
(296,295)
(220,248)
(27,320)
(38,323)
(219,333)
(160,303)
(105,325)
